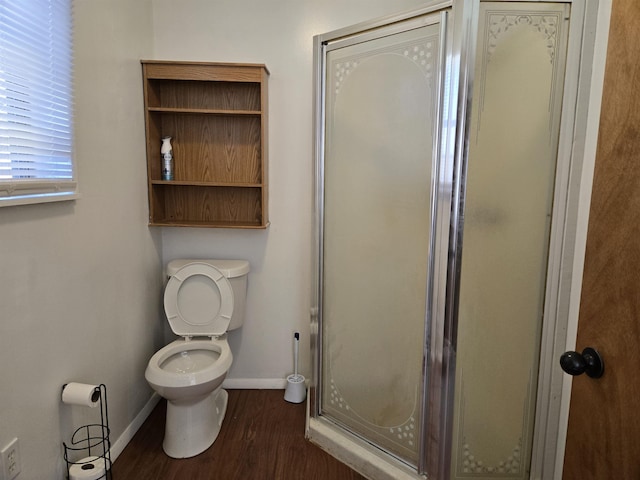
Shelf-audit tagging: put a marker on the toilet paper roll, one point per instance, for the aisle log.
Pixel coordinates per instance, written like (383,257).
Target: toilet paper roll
(89,468)
(81,394)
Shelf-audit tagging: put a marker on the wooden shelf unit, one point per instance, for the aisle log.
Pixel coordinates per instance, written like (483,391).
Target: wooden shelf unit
(216,114)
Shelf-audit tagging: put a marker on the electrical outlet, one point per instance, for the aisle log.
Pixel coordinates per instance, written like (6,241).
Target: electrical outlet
(10,460)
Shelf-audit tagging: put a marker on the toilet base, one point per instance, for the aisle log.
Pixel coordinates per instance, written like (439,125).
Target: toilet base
(192,427)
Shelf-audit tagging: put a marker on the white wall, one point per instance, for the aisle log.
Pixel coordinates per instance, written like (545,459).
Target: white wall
(280,35)
(79,280)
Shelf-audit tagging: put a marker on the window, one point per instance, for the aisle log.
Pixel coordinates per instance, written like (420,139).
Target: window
(36,116)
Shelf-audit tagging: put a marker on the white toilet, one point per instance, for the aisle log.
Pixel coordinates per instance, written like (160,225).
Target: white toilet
(203,299)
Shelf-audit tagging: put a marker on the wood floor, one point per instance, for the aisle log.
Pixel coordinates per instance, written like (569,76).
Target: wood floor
(262,438)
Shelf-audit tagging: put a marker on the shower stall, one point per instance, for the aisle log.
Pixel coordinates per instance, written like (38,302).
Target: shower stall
(447,182)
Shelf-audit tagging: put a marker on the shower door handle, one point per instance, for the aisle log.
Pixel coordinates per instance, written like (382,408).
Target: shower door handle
(589,362)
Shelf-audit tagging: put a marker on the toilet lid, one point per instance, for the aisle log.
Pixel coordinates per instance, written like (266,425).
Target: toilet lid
(198,301)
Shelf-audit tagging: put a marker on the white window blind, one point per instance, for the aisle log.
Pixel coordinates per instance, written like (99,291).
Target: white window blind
(36,124)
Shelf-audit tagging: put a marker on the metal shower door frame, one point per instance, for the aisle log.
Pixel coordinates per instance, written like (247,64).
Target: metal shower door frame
(458,30)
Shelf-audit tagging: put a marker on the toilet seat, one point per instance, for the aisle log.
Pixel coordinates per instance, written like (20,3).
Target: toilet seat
(162,379)
(198,301)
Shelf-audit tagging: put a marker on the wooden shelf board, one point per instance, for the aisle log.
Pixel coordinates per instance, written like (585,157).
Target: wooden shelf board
(206,184)
(205,111)
(178,223)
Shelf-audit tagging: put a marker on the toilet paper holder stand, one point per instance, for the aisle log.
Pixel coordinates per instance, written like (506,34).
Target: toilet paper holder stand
(90,447)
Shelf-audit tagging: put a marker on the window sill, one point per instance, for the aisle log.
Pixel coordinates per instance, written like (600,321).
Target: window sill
(38,198)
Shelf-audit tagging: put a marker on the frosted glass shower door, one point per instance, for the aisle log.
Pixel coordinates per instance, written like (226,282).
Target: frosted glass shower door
(380,129)
(511,178)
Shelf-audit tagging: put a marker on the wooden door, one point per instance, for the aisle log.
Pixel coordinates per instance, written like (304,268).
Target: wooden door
(603,441)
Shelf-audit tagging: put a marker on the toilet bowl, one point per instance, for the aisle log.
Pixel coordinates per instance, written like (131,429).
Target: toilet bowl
(199,303)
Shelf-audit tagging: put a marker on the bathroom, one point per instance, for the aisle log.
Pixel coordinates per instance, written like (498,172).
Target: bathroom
(81,281)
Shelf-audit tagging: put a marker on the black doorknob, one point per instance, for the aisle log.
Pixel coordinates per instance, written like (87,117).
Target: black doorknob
(589,362)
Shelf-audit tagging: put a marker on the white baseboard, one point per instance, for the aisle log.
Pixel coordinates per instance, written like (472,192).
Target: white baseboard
(255,383)
(123,440)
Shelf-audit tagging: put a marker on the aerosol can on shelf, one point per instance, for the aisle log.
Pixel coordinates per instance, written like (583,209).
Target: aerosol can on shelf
(166,152)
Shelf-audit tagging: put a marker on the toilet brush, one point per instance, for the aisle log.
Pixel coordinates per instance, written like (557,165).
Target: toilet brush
(296,390)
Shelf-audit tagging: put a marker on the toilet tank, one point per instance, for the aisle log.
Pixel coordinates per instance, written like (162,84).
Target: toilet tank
(235,271)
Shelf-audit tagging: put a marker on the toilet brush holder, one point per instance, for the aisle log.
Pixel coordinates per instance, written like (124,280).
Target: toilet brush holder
(296,391)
